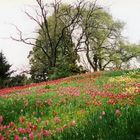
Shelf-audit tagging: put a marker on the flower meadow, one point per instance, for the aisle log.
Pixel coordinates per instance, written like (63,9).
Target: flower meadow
(94,106)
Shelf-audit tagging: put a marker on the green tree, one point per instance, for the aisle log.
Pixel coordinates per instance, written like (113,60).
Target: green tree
(125,53)
(102,34)
(65,54)
(19,80)
(39,65)
(68,30)
(4,70)
(54,39)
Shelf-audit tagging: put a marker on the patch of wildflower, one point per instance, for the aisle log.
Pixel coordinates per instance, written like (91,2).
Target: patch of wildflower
(122,79)
(69,109)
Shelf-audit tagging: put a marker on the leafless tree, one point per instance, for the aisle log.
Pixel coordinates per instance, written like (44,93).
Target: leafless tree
(70,17)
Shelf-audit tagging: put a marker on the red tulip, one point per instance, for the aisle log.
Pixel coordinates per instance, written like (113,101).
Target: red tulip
(46,133)
(21,130)
(73,123)
(31,136)
(1,119)
(57,120)
(24,138)
(16,137)
(118,112)
(22,119)
(1,137)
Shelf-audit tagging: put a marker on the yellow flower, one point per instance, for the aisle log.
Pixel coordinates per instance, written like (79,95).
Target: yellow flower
(121,79)
(131,90)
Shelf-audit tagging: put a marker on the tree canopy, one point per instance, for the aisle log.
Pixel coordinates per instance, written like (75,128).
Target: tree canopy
(4,70)
(84,27)
(58,60)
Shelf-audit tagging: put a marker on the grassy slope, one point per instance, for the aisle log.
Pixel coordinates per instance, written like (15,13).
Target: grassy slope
(92,106)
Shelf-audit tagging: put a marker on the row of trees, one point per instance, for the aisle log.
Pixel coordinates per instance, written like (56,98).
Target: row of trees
(6,77)
(66,30)
(83,27)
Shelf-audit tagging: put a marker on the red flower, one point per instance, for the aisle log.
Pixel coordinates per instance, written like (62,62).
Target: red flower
(59,130)
(16,137)
(28,130)
(26,103)
(38,120)
(46,123)
(112,101)
(39,135)
(24,138)
(1,128)
(31,136)
(64,126)
(49,102)
(21,130)
(11,124)
(118,112)
(1,119)
(34,127)
(22,119)
(72,123)
(1,137)
(46,133)
(57,120)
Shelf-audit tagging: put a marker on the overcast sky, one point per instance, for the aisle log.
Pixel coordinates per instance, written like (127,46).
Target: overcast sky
(11,12)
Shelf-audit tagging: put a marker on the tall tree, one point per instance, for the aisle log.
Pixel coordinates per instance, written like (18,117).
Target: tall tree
(102,34)
(69,29)
(55,34)
(4,70)
(51,35)
(66,56)
(125,53)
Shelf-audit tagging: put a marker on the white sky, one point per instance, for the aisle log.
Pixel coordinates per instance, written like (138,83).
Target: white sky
(11,12)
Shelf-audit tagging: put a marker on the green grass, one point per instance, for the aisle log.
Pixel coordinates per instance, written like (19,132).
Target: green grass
(97,106)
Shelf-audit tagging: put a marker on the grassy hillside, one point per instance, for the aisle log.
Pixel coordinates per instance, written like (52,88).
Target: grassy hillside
(100,106)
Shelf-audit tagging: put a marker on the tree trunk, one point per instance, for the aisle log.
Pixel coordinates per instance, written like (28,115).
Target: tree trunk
(101,68)
(53,57)
(95,59)
(89,60)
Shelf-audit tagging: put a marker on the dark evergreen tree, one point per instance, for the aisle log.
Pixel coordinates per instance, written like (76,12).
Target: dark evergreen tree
(54,62)
(4,70)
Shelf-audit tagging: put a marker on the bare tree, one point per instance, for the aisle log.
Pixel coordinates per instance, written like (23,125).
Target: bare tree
(69,16)
(82,23)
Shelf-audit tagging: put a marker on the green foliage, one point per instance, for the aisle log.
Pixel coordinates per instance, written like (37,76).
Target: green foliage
(64,59)
(66,66)
(132,73)
(125,52)
(4,70)
(117,73)
(102,32)
(19,80)
(106,46)
(74,109)
(39,65)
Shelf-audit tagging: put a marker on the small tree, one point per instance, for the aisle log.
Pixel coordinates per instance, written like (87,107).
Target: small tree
(4,70)
(19,80)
